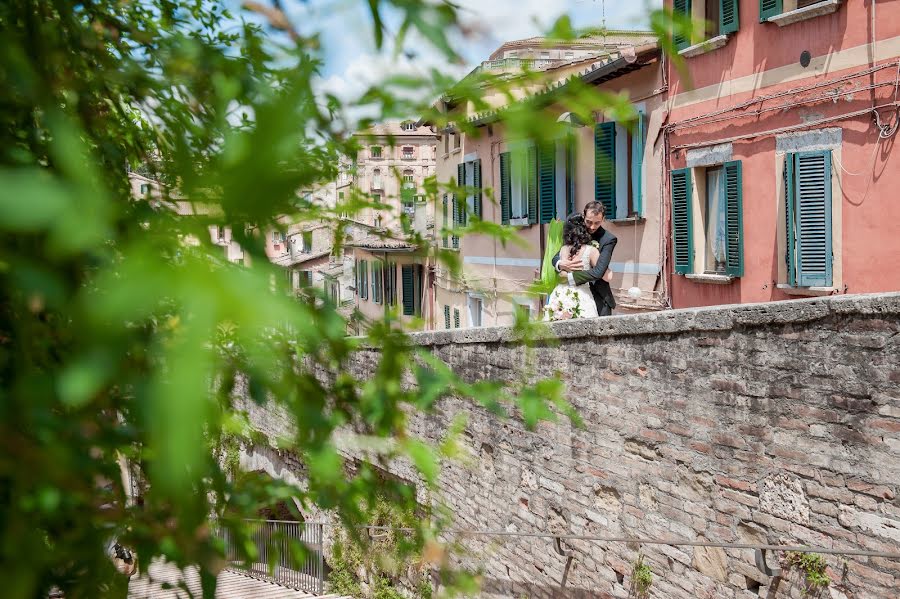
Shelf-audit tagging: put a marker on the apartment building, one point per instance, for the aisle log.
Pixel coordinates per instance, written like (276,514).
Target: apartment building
(781,169)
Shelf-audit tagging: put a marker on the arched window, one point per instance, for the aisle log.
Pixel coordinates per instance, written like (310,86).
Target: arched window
(408,126)
(376,179)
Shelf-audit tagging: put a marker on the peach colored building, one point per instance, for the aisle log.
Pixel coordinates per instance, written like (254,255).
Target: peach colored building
(525,186)
(781,131)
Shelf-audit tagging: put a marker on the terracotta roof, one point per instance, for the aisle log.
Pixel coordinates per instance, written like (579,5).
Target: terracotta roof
(287,260)
(611,39)
(395,129)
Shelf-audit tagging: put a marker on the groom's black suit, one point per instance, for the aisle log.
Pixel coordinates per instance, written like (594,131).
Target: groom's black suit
(600,289)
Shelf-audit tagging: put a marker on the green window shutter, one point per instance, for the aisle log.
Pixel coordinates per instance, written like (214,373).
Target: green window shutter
(531,164)
(505,189)
(364,279)
(455,318)
(682,227)
(376,282)
(682,7)
(446,316)
(605,167)
(813,218)
(547,184)
(769,8)
(734,219)
(461,181)
(476,182)
(728,16)
(790,229)
(638,139)
(390,281)
(409,300)
(454,207)
(445,239)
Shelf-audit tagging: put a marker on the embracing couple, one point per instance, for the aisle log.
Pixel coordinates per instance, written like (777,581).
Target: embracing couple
(584,262)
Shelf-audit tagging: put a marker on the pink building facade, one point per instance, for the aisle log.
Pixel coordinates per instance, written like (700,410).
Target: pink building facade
(780,163)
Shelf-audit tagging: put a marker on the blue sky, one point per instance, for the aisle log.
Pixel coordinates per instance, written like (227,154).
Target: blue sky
(352,63)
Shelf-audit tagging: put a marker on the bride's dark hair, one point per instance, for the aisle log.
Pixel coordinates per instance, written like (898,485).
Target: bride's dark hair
(576,234)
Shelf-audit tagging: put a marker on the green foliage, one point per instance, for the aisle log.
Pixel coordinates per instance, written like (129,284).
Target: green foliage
(812,565)
(641,576)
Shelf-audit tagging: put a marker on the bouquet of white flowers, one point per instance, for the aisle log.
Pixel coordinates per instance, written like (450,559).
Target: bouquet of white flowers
(563,305)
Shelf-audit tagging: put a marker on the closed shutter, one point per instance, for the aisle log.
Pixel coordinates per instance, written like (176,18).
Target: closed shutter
(531,165)
(813,218)
(356,277)
(455,318)
(445,239)
(682,7)
(728,16)
(390,283)
(409,299)
(461,182)
(363,279)
(454,207)
(769,8)
(605,167)
(638,138)
(377,282)
(789,228)
(446,316)
(547,166)
(682,228)
(505,189)
(734,219)
(476,182)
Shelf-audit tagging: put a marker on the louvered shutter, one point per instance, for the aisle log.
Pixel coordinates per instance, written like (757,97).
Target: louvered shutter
(637,164)
(445,238)
(454,207)
(605,167)
(813,217)
(728,16)
(682,7)
(409,299)
(531,165)
(734,219)
(446,316)
(547,166)
(461,182)
(682,228)
(790,229)
(769,8)
(505,189)
(364,279)
(455,318)
(476,183)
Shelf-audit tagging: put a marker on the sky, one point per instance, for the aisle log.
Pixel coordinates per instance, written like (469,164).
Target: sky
(352,64)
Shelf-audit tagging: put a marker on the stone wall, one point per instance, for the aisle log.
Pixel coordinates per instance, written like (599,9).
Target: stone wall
(767,423)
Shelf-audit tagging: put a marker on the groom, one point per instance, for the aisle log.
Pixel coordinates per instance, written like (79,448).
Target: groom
(593,218)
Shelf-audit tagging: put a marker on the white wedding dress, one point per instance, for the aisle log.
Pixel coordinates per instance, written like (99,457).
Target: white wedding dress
(585,297)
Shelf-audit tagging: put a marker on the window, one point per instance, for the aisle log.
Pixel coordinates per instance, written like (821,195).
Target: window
(528,190)
(446,316)
(412,280)
(377,282)
(376,179)
(377,221)
(619,167)
(455,318)
(570,55)
(446,141)
(707,220)
(456,141)
(720,16)
(476,306)
(445,239)
(334,292)
(774,8)
(362,279)
(145,189)
(522,309)
(220,233)
(468,175)
(375,151)
(277,237)
(389,274)
(408,126)
(545,55)
(305,278)
(808,223)
(306,240)
(407,152)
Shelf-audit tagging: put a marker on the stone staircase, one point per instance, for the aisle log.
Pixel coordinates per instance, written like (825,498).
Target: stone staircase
(232,584)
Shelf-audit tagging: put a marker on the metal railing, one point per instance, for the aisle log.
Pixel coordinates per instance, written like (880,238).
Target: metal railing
(278,561)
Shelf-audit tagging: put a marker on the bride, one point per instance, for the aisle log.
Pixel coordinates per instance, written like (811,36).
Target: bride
(567,301)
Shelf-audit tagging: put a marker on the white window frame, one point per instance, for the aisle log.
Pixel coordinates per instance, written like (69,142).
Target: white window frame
(473,300)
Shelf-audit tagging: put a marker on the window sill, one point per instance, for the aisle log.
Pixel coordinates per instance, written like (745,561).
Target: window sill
(713,43)
(455,151)
(826,7)
(631,220)
(519,222)
(710,279)
(807,291)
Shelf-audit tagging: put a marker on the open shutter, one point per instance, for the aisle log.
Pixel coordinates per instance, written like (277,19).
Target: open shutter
(505,189)
(364,279)
(638,138)
(728,16)
(476,182)
(790,229)
(682,7)
(461,181)
(605,167)
(547,184)
(769,8)
(446,316)
(531,165)
(454,207)
(409,290)
(813,218)
(682,229)
(445,239)
(734,219)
